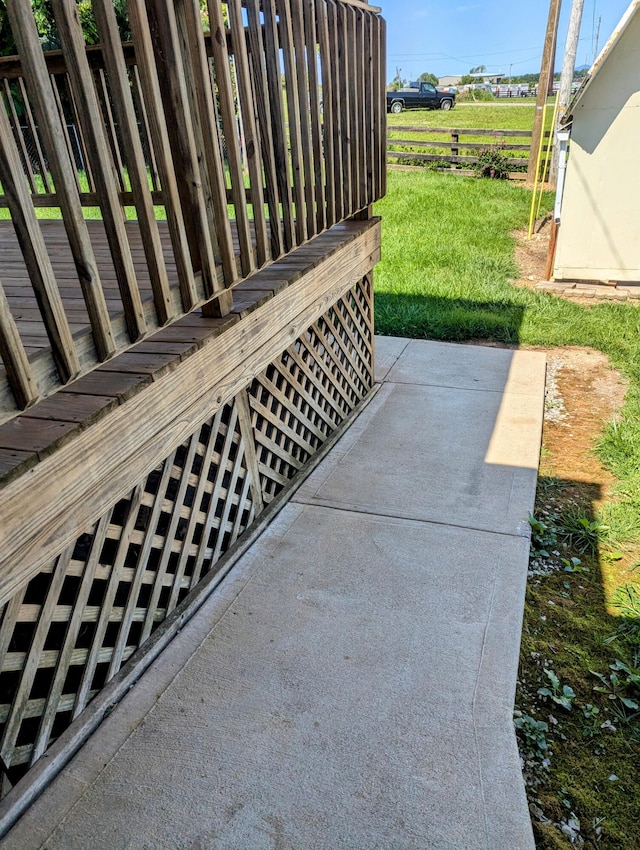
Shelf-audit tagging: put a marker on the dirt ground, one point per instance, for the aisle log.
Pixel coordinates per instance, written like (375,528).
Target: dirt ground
(583,393)
(583,390)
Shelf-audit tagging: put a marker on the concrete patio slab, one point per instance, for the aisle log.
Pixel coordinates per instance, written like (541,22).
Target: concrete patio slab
(350,685)
(446,453)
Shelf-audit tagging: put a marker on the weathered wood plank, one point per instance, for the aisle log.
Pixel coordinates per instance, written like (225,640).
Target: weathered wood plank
(19,135)
(304,101)
(36,256)
(64,175)
(257,55)
(168,410)
(322,23)
(90,119)
(248,99)
(159,137)
(338,107)
(294,122)
(309,10)
(228,114)
(19,372)
(209,149)
(136,168)
(278,128)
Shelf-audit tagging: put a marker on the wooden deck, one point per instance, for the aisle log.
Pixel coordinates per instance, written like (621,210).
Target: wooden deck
(164,382)
(122,493)
(24,307)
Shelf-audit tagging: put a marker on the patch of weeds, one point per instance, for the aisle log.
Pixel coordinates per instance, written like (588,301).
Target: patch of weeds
(543,535)
(621,685)
(627,601)
(592,723)
(533,746)
(562,696)
(579,533)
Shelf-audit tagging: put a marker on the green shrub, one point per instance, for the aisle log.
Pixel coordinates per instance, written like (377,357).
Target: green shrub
(492,163)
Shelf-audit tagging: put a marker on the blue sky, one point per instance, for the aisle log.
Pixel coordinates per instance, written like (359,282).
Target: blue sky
(451,37)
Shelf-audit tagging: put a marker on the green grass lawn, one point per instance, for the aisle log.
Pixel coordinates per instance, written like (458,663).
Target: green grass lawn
(467,116)
(447,262)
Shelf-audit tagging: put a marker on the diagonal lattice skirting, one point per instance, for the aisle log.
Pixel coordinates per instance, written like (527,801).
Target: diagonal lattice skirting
(69,630)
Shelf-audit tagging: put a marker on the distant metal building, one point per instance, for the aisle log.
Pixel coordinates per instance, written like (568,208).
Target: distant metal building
(599,230)
(451,80)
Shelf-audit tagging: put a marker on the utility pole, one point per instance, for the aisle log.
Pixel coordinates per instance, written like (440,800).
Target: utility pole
(566,80)
(546,79)
(595,52)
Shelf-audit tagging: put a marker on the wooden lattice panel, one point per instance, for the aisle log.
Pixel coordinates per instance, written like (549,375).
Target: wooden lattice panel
(69,630)
(301,398)
(72,627)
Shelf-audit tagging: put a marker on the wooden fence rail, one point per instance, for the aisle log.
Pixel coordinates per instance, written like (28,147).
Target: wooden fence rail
(416,151)
(204,156)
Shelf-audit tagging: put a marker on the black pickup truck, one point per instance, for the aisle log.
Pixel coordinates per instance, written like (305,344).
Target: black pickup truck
(425,97)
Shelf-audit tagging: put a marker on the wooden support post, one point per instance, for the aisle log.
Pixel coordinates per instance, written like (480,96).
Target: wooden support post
(455,150)
(546,75)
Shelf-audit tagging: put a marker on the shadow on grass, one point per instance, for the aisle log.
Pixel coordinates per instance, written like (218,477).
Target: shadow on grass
(580,637)
(451,319)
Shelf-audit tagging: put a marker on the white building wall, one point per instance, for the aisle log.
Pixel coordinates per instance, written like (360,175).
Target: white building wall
(599,235)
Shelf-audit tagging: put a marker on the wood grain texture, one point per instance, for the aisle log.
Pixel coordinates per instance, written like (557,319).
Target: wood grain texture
(148,424)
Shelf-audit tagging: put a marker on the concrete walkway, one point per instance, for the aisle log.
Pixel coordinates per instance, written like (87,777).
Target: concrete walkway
(350,685)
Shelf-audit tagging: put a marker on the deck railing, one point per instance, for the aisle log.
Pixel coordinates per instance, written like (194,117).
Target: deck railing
(202,156)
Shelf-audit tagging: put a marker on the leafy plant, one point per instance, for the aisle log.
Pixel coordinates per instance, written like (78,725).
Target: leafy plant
(492,163)
(621,680)
(562,696)
(543,535)
(579,533)
(574,565)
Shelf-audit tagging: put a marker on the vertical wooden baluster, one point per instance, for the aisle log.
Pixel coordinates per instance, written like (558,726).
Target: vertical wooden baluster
(230,130)
(183,87)
(293,110)
(327,111)
(125,113)
(257,53)
(28,169)
(337,107)
(315,116)
(381,124)
(206,128)
(159,138)
(31,124)
(111,134)
(81,78)
(55,86)
(278,128)
(76,125)
(303,58)
(19,372)
(35,254)
(345,55)
(369,95)
(248,106)
(64,177)
(141,110)
(362,148)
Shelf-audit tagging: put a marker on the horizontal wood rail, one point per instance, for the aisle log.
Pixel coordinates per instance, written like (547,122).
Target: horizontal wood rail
(461,153)
(216,153)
